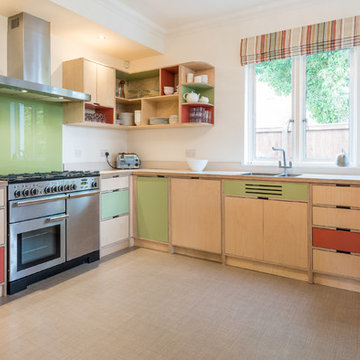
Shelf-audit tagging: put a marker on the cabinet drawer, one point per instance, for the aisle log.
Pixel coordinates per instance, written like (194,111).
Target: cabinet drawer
(337,218)
(2,197)
(2,226)
(2,265)
(114,203)
(114,183)
(337,240)
(336,263)
(266,189)
(114,230)
(336,195)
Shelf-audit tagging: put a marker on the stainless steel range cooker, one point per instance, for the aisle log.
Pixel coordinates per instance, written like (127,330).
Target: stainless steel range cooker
(53,224)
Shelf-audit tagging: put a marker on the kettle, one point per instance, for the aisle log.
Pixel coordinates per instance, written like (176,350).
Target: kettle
(191,97)
(342,159)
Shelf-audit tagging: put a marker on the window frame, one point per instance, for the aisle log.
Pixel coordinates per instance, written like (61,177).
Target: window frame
(299,115)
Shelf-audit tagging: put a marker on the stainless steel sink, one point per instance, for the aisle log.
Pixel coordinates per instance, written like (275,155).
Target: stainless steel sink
(270,174)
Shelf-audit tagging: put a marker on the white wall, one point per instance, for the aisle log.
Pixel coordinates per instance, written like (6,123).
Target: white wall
(80,145)
(219,45)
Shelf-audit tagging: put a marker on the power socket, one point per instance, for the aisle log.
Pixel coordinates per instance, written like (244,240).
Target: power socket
(190,153)
(103,152)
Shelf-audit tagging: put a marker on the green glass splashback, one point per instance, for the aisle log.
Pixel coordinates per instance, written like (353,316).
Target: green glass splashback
(30,135)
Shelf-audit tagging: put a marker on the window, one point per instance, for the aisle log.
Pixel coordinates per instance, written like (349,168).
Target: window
(302,104)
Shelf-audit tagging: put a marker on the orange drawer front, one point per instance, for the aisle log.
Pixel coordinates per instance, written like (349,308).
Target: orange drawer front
(336,240)
(2,265)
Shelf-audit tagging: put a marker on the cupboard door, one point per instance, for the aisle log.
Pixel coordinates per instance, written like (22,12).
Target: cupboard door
(244,231)
(90,79)
(285,233)
(114,203)
(196,214)
(114,230)
(105,86)
(2,265)
(2,226)
(152,208)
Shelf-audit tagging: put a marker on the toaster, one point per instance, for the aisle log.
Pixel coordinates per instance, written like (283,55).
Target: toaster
(127,161)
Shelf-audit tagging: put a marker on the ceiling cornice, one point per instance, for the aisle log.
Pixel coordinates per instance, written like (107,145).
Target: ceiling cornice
(248,14)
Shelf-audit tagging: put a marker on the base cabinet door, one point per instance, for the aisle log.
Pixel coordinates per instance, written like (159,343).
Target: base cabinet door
(196,214)
(114,230)
(244,230)
(285,233)
(152,208)
(2,265)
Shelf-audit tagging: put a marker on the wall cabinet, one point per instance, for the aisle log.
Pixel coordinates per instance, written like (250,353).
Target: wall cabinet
(152,208)
(114,89)
(115,212)
(196,214)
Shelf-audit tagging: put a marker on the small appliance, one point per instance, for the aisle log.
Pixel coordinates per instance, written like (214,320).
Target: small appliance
(125,161)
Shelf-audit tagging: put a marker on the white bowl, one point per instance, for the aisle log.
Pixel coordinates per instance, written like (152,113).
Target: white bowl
(197,165)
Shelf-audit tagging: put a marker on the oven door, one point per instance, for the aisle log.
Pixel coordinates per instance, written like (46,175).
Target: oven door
(36,245)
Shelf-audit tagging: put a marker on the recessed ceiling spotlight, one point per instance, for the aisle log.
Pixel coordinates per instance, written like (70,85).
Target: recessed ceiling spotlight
(101,37)
(24,91)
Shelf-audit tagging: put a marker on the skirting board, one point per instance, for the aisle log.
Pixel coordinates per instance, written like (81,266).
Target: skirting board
(267,268)
(337,282)
(120,245)
(153,245)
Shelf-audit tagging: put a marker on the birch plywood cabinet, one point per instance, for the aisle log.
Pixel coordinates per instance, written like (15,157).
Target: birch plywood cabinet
(259,228)
(196,214)
(244,231)
(285,233)
(336,234)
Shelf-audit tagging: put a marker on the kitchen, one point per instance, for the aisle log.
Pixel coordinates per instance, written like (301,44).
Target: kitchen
(163,152)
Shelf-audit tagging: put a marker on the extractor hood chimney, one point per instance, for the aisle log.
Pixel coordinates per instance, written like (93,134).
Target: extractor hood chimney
(28,48)
(28,62)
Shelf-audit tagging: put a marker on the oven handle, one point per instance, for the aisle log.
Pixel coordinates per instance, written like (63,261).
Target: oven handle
(40,201)
(83,194)
(57,218)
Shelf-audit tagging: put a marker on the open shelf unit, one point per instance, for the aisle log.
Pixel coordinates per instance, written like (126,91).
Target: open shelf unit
(144,91)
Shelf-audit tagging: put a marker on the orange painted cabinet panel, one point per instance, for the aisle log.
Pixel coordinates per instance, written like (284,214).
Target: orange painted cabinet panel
(336,240)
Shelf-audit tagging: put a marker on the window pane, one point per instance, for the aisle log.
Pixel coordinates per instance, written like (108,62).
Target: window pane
(327,105)
(273,108)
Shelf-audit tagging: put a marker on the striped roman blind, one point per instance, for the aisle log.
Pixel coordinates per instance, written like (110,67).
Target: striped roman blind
(311,39)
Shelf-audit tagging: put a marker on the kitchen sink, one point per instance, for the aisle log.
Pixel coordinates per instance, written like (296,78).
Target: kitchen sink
(270,174)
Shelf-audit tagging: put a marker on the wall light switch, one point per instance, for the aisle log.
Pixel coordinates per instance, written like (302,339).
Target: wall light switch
(78,153)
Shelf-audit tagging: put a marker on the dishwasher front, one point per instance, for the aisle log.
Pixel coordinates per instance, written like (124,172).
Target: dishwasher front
(83,224)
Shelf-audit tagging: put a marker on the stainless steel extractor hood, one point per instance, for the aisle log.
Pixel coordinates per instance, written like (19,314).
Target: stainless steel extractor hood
(28,58)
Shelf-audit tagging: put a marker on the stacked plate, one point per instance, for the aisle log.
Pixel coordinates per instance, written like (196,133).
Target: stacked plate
(158,120)
(126,118)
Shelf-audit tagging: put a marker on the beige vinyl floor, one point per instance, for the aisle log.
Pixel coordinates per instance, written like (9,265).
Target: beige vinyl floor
(152,305)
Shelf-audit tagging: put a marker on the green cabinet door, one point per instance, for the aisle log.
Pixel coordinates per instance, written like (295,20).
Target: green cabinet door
(152,208)
(114,203)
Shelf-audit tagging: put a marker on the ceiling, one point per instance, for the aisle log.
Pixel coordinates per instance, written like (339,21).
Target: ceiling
(173,15)
(67,24)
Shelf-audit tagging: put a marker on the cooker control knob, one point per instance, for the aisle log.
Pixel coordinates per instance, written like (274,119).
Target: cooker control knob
(17,193)
(61,188)
(73,187)
(67,187)
(26,192)
(34,191)
(54,188)
(47,190)
(94,184)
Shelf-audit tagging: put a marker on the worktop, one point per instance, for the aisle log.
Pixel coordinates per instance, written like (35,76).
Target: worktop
(241,175)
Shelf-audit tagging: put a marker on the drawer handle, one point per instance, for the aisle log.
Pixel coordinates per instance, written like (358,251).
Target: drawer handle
(343,252)
(262,198)
(342,185)
(342,207)
(342,229)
